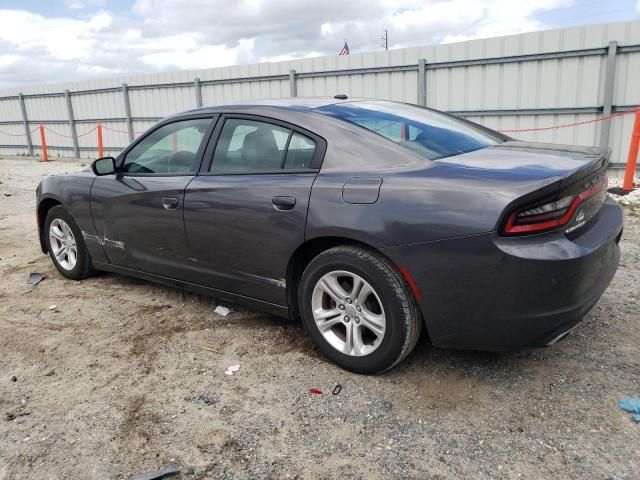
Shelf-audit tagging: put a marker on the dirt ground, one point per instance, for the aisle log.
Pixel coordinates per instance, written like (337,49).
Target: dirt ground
(125,376)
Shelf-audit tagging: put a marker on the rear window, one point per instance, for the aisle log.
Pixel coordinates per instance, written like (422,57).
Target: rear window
(432,134)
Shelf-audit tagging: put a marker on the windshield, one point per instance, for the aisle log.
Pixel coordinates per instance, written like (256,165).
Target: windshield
(432,134)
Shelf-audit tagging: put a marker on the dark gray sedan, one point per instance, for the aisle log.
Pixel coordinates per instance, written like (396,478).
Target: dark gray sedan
(368,219)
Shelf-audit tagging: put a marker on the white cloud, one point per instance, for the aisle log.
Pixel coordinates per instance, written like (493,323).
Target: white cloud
(505,17)
(159,35)
(34,48)
(195,56)
(638,6)
(80,4)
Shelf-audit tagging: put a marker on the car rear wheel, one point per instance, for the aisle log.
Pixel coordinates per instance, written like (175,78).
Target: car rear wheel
(358,309)
(66,246)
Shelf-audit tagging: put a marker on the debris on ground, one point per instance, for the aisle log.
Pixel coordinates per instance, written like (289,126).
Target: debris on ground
(52,307)
(212,350)
(631,405)
(315,391)
(630,198)
(35,278)
(163,472)
(231,369)
(121,375)
(50,373)
(14,378)
(12,416)
(208,399)
(224,311)
(336,390)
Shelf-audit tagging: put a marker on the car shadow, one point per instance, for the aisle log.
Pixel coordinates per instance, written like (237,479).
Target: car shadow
(424,361)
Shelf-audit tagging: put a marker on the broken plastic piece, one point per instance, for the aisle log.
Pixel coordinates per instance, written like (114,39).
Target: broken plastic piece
(12,416)
(34,278)
(52,307)
(315,391)
(337,389)
(163,472)
(231,369)
(631,405)
(224,311)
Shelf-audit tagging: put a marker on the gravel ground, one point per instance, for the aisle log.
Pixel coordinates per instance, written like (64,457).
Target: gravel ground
(124,376)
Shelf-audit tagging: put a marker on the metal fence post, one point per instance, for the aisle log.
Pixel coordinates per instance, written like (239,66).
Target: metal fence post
(293,88)
(422,82)
(198,89)
(25,122)
(608,92)
(127,110)
(72,124)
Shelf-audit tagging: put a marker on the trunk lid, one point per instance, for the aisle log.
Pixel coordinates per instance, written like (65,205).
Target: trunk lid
(538,163)
(515,176)
(540,175)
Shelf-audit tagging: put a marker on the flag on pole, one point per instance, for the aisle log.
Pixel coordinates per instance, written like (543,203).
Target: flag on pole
(345,49)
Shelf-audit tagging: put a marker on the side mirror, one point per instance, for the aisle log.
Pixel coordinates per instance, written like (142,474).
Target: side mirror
(104,166)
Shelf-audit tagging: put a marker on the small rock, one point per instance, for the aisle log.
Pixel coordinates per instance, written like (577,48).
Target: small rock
(14,378)
(208,399)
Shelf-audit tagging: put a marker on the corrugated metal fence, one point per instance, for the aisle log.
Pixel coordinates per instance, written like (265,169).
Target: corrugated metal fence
(523,83)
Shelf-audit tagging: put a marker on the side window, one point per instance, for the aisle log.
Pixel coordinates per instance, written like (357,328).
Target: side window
(171,148)
(300,152)
(248,146)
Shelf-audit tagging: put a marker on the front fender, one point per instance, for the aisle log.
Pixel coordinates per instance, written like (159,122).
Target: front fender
(44,203)
(73,192)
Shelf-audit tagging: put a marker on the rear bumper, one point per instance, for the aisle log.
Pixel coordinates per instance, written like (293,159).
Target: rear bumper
(488,292)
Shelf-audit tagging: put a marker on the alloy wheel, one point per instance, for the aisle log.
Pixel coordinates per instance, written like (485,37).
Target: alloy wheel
(348,313)
(63,244)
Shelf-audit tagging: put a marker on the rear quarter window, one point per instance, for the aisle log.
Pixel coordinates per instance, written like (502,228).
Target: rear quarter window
(431,134)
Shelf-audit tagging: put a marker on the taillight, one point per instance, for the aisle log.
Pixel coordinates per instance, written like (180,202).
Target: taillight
(552,212)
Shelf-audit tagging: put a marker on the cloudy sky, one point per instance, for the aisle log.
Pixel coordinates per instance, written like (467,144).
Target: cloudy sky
(44,41)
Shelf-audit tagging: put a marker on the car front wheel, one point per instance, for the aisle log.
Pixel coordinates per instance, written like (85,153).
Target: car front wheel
(358,309)
(66,246)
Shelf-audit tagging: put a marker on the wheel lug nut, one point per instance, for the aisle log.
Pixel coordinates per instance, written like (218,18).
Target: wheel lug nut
(346,319)
(341,307)
(357,320)
(348,300)
(358,309)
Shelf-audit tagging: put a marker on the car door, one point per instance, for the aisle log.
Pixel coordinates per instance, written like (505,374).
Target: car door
(138,211)
(245,213)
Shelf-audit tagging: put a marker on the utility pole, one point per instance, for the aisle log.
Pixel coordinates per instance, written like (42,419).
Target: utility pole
(385,40)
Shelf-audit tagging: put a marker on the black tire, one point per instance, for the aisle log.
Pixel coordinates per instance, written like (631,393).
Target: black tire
(84,266)
(403,324)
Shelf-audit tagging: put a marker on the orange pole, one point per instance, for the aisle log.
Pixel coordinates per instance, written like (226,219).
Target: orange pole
(100,146)
(43,141)
(633,154)
(174,139)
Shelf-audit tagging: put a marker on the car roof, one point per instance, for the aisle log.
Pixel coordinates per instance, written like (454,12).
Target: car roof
(293,103)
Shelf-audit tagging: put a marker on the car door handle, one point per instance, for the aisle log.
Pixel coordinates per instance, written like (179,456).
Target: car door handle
(283,203)
(169,203)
